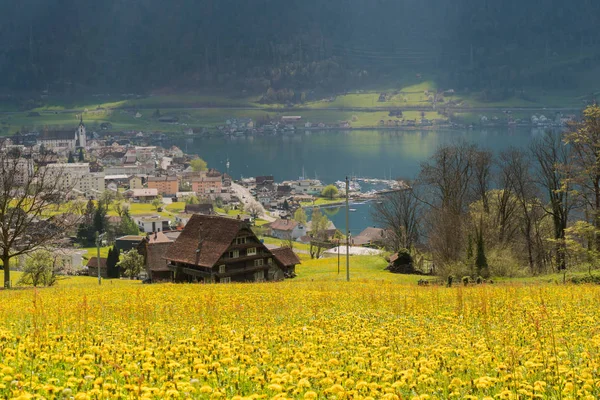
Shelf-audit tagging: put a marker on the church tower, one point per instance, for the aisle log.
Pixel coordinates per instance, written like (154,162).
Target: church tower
(81,136)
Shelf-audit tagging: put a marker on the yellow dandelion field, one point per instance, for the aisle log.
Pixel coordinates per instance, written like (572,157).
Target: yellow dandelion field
(300,340)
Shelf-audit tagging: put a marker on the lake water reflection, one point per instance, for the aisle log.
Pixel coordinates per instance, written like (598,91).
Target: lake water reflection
(331,155)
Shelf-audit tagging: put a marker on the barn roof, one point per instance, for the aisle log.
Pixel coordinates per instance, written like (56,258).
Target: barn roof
(93,262)
(57,135)
(285,256)
(211,235)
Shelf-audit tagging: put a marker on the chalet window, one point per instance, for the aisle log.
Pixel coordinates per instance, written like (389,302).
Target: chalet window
(269,261)
(259,276)
(240,240)
(234,254)
(259,262)
(221,269)
(252,251)
(225,280)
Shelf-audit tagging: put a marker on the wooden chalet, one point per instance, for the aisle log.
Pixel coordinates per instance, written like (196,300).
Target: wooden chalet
(153,247)
(215,249)
(287,260)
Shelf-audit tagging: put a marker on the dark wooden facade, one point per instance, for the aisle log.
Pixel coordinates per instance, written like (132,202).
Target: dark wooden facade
(220,250)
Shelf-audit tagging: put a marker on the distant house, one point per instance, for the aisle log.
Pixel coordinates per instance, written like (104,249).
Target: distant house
(220,250)
(205,209)
(207,184)
(264,180)
(166,185)
(284,191)
(153,223)
(92,266)
(135,182)
(370,236)
(126,243)
(291,118)
(153,247)
(286,229)
(142,195)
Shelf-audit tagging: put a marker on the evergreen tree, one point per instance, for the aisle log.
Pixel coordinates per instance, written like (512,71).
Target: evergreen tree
(71,159)
(112,260)
(99,223)
(81,158)
(481,263)
(109,263)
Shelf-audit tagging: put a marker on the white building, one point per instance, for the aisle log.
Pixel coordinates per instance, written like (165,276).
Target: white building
(77,177)
(91,185)
(66,139)
(22,167)
(154,223)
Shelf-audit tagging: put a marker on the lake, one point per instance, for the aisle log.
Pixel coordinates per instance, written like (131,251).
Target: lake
(334,154)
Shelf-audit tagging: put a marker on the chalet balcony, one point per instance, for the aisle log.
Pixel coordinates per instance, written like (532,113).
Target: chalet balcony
(203,273)
(242,258)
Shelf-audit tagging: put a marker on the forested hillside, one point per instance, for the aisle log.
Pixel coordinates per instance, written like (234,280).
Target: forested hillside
(332,45)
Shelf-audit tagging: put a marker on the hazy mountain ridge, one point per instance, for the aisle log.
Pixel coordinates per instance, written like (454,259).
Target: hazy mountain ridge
(332,45)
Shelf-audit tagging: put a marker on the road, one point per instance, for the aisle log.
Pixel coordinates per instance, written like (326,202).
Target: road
(246,197)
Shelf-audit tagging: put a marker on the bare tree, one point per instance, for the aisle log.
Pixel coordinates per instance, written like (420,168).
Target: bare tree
(447,180)
(255,209)
(552,157)
(516,167)
(27,195)
(584,138)
(399,214)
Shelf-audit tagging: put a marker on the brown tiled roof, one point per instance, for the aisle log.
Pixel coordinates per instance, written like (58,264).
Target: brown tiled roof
(57,135)
(93,262)
(285,256)
(216,234)
(155,256)
(158,237)
(162,179)
(283,225)
(372,233)
(199,208)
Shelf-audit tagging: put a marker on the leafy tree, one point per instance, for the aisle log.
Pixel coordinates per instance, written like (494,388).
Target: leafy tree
(131,263)
(157,203)
(319,223)
(40,269)
(192,200)
(329,191)
(25,201)
(300,216)
(198,165)
(128,226)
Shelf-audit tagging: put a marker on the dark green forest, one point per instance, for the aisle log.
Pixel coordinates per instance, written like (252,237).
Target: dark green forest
(331,45)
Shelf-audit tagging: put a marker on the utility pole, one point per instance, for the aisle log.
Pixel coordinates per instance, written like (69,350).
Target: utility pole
(347,231)
(338,251)
(98,240)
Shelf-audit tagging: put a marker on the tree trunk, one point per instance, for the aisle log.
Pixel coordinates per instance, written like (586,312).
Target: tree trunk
(6,266)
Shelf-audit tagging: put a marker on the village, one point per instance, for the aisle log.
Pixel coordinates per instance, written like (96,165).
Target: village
(188,222)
